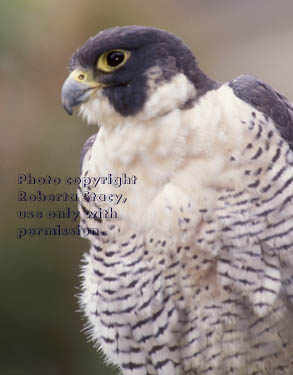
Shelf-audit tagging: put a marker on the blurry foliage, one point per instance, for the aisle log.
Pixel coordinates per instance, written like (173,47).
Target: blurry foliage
(40,328)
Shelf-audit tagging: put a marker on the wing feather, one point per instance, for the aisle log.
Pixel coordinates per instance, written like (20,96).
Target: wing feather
(265,99)
(86,148)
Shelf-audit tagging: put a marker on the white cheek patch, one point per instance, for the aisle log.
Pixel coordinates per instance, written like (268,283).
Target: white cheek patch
(162,99)
(168,96)
(98,110)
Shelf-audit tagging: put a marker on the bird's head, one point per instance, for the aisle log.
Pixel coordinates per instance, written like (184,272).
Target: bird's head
(130,71)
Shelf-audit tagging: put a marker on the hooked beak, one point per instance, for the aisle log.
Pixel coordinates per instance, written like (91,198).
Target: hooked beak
(77,88)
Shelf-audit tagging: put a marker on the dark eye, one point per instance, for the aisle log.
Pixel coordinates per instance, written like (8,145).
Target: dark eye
(115,58)
(112,60)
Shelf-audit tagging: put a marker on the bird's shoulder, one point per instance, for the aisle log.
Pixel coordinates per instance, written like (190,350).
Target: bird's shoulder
(265,99)
(86,148)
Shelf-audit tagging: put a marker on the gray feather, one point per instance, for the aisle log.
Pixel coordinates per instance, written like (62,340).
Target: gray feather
(265,99)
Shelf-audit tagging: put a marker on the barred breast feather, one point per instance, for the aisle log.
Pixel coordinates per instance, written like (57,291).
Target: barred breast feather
(195,275)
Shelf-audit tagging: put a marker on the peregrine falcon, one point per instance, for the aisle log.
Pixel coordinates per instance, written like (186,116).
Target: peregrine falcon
(194,275)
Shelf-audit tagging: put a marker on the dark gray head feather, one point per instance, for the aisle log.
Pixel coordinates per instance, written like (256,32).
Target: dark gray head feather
(149,47)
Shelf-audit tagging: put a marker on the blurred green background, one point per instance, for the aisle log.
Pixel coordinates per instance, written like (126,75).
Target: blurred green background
(40,327)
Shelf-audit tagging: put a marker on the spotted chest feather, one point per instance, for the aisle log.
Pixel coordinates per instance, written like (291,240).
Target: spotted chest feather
(195,274)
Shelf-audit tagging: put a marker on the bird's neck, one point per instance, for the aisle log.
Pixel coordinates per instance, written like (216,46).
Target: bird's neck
(152,149)
(182,155)
(155,150)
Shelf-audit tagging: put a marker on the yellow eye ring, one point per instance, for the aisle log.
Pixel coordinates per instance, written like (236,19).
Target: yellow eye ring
(112,60)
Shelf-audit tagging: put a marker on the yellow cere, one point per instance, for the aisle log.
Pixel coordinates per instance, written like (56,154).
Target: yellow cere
(84,76)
